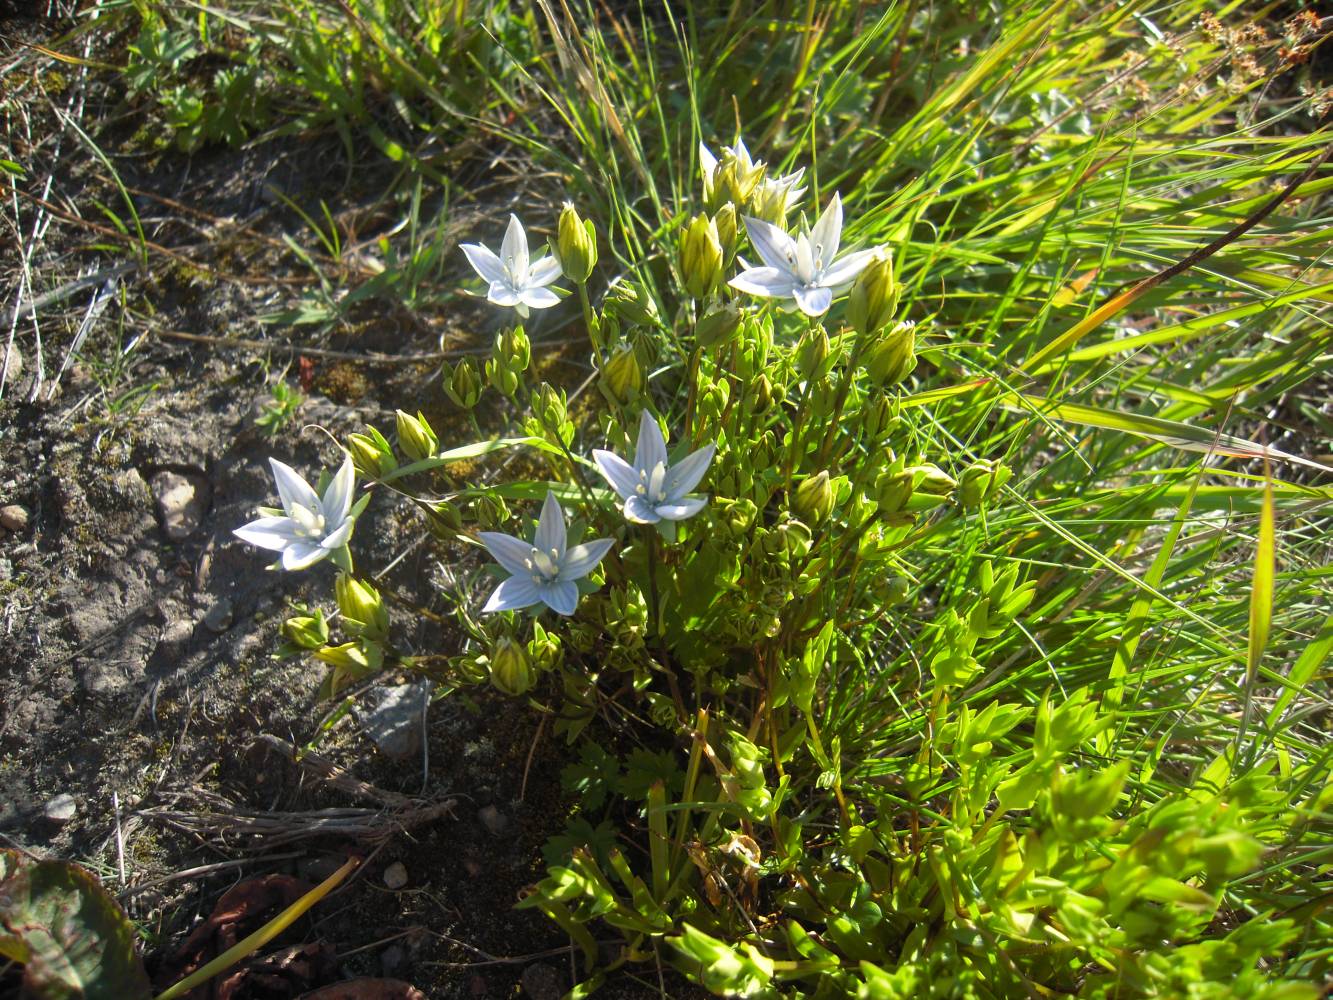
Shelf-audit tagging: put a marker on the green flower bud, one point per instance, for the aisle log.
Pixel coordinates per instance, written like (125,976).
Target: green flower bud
(505,380)
(700,257)
(878,417)
(576,245)
(371,454)
(544,649)
(892,358)
(444,520)
(760,396)
(756,342)
(725,222)
(513,349)
(307,631)
(823,397)
(549,405)
(415,436)
(511,670)
(734,180)
(718,326)
(813,499)
(360,658)
(622,378)
(713,399)
(628,615)
(981,482)
(362,607)
(737,517)
(930,478)
(471,669)
(773,199)
(462,383)
(491,511)
(632,303)
(874,297)
(811,351)
(894,486)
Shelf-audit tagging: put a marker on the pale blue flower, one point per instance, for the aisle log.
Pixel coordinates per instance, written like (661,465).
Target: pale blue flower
(545,570)
(513,279)
(805,267)
(652,490)
(309,527)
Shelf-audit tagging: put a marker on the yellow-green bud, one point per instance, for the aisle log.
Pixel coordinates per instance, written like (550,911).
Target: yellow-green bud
(874,297)
(632,303)
(371,454)
(549,405)
(362,607)
(491,511)
(734,180)
(713,398)
(811,351)
(878,417)
(511,670)
(307,631)
(443,519)
(462,383)
(813,499)
(738,517)
(930,478)
(718,326)
(700,257)
(622,379)
(504,379)
(415,436)
(725,222)
(360,658)
(773,199)
(981,481)
(893,357)
(513,349)
(544,648)
(576,245)
(894,486)
(759,397)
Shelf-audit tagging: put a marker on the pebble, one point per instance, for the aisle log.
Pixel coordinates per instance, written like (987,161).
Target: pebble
(11,362)
(541,982)
(182,500)
(13,517)
(395,876)
(219,617)
(394,724)
(60,810)
(496,822)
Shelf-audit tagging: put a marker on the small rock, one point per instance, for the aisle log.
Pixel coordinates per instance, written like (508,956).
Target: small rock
(11,363)
(395,876)
(13,517)
(218,618)
(496,822)
(541,982)
(60,810)
(395,722)
(182,500)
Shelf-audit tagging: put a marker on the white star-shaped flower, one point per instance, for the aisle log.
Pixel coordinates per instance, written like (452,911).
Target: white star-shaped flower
(545,570)
(652,490)
(805,267)
(309,527)
(514,280)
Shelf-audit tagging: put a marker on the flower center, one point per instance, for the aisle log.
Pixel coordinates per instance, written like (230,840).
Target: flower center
(544,566)
(309,523)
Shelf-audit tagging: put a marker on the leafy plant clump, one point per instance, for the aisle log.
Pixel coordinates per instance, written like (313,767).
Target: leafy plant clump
(725,574)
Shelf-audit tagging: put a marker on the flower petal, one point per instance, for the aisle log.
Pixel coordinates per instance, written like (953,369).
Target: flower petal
(562,597)
(292,488)
(552,535)
(337,499)
(687,507)
(273,533)
(770,282)
(337,538)
(813,300)
(514,251)
(516,592)
(543,272)
(684,476)
(484,262)
(828,231)
(539,298)
(775,247)
(844,271)
(640,511)
(707,162)
(581,559)
(615,470)
(510,552)
(302,555)
(651,447)
(502,294)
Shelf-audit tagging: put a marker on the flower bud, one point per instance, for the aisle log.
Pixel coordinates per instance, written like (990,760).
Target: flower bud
(878,417)
(813,499)
(504,379)
(981,481)
(725,222)
(491,511)
(738,517)
(760,395)
(930,478)
(511,670)
(576,245)
(371,454)
(622,378)
(415,436)
(632,303)
(893,486)
(892,358)
(734,180)
(713,399)
(307,631)
(811,351)
(544,649)
(700,257)
(549,405)
(360,658)
(443,519)
(462,383)
(774,197)
(362,607)
(628,616)
(718,326)
(874,297)
(513,349)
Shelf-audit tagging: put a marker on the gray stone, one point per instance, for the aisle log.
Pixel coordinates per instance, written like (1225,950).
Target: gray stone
(394,724)
(182,500)
(13,517)
(60,810)
(395,876)
(541,982)
(219,617)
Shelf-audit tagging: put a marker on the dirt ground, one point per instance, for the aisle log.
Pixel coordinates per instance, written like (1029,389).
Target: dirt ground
(142,714)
